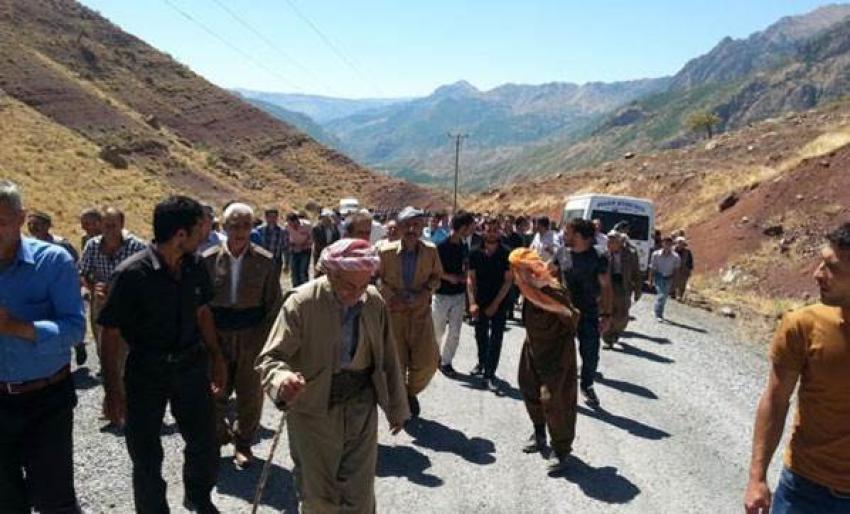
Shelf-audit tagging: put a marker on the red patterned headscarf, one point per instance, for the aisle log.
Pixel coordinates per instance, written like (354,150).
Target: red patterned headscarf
(349,255)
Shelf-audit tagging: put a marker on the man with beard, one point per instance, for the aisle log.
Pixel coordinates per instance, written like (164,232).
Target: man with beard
(410,272)
(811,348)
(159,303)
(329,361)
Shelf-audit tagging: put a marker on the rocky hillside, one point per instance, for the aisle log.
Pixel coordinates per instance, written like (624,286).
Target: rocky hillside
(754,202)
(159,126)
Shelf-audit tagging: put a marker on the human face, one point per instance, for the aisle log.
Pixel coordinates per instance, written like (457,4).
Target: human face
(349,286)
(392,231)
(189,242)
(38,228)
(238,230)
(492,235)
(411,230)
(467,230)
(833,277)
(271,218)
(90,225)
(11,222)
(434,223)
(614,245)
(569,235)
(667,246)
(112,227)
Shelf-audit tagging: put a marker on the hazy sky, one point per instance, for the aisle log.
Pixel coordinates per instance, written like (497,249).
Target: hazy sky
(410,47)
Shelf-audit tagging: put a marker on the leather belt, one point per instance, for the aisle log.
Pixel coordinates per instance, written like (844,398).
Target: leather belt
(30,386)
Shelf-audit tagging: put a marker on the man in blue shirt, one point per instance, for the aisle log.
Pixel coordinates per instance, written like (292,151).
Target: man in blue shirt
(41,318)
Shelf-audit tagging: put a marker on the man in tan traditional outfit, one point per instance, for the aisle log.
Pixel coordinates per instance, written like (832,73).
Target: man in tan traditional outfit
(329,360)
(626,281)
(410,273)
(246,300)
(547,366)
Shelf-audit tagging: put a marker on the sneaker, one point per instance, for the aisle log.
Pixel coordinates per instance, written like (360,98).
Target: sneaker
(659,319)
(448,370)
(535,444)
(590,397)
(413,402)
(80,354)
(477,371)
(557,464)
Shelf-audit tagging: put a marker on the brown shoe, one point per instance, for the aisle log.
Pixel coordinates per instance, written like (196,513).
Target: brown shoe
(243,458)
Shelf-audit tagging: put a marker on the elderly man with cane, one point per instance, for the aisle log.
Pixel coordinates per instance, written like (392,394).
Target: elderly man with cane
(329,361)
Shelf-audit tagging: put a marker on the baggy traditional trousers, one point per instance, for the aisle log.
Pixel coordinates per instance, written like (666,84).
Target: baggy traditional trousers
(418,353)
(548,375)
(240,349)
(335,456)
(622,302)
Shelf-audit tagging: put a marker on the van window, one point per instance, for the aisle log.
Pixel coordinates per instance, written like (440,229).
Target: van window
(638,225)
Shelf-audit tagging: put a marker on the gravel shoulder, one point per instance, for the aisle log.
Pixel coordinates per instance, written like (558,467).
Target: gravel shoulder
(673,435)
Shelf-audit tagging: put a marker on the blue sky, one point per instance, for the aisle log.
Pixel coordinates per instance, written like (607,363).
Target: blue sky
(393,48)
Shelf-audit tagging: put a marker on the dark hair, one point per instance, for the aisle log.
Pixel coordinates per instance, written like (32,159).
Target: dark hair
(173,214)
(840,237)
(91,212)
(543,221)
(113,211)
(520,220)
(583,227)
(292,217)
(462,219)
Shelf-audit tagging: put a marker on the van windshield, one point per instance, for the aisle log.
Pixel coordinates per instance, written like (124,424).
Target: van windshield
(638,225)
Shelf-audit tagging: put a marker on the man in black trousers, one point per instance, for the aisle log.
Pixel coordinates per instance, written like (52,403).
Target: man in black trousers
(159,304)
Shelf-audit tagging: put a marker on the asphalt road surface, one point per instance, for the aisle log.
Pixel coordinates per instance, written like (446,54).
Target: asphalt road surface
(672,436)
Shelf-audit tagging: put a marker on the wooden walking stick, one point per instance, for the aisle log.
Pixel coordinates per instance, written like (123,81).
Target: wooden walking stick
(264,476)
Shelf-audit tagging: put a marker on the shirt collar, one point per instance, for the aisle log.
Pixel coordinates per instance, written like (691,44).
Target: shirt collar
(154,257)
(25,250)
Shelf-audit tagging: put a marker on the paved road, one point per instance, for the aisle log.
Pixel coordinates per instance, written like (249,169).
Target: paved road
(673,436)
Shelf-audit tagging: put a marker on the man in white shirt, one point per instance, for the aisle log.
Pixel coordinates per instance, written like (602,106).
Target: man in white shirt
(663,266)
(545,241)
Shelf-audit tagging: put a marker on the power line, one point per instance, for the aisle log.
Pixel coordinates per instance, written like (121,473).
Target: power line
(272,45)
(233,47)
(330,44)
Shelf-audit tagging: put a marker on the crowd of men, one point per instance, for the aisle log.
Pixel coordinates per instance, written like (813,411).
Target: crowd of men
(198,315)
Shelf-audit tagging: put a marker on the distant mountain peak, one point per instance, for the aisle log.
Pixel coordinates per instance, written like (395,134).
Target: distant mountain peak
(459,88)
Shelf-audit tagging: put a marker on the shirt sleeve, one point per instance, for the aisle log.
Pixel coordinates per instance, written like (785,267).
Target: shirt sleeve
(789,347)
(283,344)
(86,261)
(204,285)
(67,326)
(117,306)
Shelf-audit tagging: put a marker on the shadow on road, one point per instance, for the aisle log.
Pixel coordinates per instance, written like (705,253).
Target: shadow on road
(637,335)
(646,354)
(631,426)
(686,327)
(84,380)
(440,438)
(406,462)
(627,387)
(603,484)
(280,489)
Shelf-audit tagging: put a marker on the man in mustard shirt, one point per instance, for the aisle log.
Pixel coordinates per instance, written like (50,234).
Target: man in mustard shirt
(812,348)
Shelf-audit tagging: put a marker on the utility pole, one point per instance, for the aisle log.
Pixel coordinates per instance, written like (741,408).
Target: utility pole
(458,138)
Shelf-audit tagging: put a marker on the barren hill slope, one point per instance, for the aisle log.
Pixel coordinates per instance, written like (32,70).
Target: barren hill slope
(115,92)
(789,175)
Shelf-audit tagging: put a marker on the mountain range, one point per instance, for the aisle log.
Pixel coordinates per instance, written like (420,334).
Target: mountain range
(524,130)
(90,114)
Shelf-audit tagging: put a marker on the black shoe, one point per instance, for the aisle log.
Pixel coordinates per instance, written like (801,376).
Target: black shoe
(492,385)
(414,406)
(590,397)
(201,507)
(477,371)
(536,444)
(81,354)
(448,370)
(558,464)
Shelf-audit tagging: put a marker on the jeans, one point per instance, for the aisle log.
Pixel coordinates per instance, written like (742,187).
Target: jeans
(300,268)
(798,495)
(588,346)
(448,310)
(662,287)
(151,383)
(488,334)
(36,451)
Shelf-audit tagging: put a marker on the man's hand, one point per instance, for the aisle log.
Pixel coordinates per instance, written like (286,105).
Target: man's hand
(101,291)
(473,310)
(12,326)
(757,498)
(395,428)
(491,310)
(290,387)
(115,407)
(219,376)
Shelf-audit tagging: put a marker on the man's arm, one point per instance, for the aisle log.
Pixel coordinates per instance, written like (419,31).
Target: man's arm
(770,422)
(275,363)
(209,336)
(471,285)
